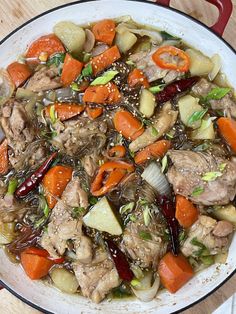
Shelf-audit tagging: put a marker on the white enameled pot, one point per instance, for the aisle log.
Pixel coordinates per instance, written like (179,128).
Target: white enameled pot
(47,298)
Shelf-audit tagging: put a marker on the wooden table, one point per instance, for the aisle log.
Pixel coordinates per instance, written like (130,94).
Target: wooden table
(12,14)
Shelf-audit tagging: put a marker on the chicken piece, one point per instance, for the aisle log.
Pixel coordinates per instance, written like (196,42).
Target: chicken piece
(163,123)
(210,233)
(186,177)
(97,278)
(63,227)
(153,72)
(90,163)
(203,87)
(10,209)
(44,79)
(80,136)
(145,252)
(18,130)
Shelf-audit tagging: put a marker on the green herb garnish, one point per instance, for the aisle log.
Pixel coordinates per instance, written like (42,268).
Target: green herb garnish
(87,71)
(135,282)
(197,191)
(154,131)
(157,89)
(211,176)
(207,260)
(145,235)
(182,236)
(196,116)
(93,200)
(203,250)
(105,78)
(77,212)
(56,59)
(132,218)
(12,186)
(222,167)
(167,36)
(127,208)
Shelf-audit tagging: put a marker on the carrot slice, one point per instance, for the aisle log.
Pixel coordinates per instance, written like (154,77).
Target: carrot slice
(105,59)
(102,94)
(94,113)
(55,182)
(186,213)
(174,271)
(157,149)
(117,151)
(35,266)
(71,70)
(227,128)
(136,78)
(3,157)
(19,73)
(105,31)
(65,111)
(41,252)
(49,44)
(126,124)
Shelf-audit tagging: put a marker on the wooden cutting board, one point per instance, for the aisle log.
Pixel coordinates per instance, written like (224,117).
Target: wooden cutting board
(15,12)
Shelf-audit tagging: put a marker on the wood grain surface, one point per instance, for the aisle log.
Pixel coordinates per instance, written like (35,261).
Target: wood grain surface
(15,12)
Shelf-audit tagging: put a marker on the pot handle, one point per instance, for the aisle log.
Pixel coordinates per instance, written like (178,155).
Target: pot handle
(225,8)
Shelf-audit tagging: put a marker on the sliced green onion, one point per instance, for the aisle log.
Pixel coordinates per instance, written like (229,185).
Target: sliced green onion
(12,186)
(147,216)
(135,282)
(154,131)
(105,78)
(197,191)
(53,114)
(145,235)
(75,87)
(222,167)
(211,176)
(217,93)
(164,163)
(88,70)
(157,89)
(93,200)
(133,218)
(207,260)
(127,208)
(77,212)
(196,116)
(129,62)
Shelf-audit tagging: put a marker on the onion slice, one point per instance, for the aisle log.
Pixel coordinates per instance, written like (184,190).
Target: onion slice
(145,291)
(154,176)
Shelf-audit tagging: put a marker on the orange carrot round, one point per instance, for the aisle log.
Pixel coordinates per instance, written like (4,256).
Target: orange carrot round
(3,157)
(94,113)
(136,78)
(186,213)
(105,59)
(55,182)
(117,151)
(49,43)
(155,150)
(71,70)
(126,124)
(102,94)
(19,73)
(174,271)
(182,66)
(65,111)
(227,128)
(105,31)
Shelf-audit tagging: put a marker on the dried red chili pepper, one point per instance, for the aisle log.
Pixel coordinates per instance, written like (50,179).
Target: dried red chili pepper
(175,88)
(35,178)
(120,261)
(168,211)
